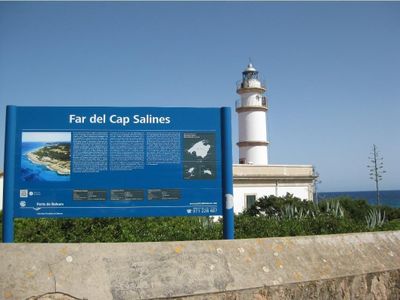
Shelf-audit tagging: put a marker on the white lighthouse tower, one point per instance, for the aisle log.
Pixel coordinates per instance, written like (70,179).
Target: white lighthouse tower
(252,112)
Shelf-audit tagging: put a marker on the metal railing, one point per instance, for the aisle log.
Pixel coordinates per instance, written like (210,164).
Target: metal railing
(253,83)
(260,102)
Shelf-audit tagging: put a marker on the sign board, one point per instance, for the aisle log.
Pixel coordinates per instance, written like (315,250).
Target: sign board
(116,161)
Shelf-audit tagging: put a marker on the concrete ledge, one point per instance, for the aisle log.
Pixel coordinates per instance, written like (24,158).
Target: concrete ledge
(258,267)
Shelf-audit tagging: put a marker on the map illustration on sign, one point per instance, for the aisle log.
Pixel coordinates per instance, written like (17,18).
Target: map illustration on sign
(45,156)
(200,149)
(199,156)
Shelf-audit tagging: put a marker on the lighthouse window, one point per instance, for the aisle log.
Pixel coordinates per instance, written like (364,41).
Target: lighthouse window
(250,200)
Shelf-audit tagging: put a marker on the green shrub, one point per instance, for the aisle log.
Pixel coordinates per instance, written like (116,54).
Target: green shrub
(392,213)
(391,225)
(116,229)
(273,206)
(270,217)
(355,209)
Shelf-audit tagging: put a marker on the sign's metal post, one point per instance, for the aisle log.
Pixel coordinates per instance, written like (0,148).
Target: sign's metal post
(227,178)
(9,157)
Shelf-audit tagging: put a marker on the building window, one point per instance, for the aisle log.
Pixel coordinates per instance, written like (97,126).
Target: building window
(242,161)
(250,200)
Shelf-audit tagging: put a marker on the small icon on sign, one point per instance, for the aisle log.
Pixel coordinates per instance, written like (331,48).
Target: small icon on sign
(23,193)
(189,211)
(22,203)
(30,193)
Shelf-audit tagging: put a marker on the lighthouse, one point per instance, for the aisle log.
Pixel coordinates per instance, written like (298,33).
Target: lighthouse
(252,113)
(254,177)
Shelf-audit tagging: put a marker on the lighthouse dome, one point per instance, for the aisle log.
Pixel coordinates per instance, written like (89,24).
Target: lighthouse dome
(250,68)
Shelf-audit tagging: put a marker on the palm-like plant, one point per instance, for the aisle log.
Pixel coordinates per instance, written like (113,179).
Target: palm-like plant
(376,170)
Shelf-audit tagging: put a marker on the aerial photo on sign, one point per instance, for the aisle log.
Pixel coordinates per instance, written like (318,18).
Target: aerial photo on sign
(45,156)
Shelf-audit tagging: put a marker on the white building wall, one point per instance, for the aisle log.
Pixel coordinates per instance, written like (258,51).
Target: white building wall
(256,155)
(301,192)
(252,126)
(250,99)
(239,195)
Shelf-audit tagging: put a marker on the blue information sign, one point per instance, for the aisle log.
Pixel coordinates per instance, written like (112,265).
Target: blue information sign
(117,162)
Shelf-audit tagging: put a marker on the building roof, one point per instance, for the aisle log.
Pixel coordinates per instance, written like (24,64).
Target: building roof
(270,173)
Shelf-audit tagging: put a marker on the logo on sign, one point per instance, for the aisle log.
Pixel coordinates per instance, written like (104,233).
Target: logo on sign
(23,193)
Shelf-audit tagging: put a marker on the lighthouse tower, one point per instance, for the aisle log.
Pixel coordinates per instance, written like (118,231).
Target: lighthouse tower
(252,112)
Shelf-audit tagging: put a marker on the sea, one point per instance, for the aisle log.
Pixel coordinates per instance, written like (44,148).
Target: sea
(388,198)
(35,172)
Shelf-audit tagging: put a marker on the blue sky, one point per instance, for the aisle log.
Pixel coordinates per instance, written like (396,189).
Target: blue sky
(332,70)
(47,137)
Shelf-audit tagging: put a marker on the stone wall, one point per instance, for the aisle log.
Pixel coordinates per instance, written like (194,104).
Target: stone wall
(347,266)
(382,285)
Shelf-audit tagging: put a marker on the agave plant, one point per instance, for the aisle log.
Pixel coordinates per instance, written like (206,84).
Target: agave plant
(291,212)
(334,208)
(375,218)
